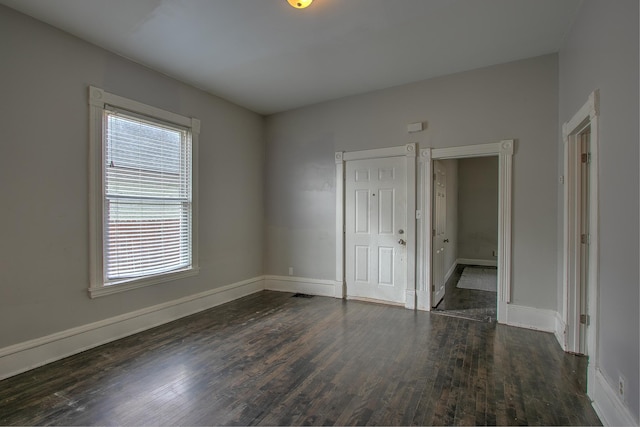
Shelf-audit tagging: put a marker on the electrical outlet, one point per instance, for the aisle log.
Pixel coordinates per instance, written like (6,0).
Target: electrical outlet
(290,271)
(621,387)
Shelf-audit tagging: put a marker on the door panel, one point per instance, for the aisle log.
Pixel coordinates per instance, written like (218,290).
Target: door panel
(439,232)
(375,226)
(362,263)
(363,213)
(385,213)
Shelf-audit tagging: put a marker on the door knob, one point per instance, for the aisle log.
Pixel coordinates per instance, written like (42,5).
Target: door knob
(402,242)
(446,240)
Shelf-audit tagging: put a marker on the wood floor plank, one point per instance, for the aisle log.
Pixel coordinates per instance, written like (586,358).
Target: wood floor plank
(270,359)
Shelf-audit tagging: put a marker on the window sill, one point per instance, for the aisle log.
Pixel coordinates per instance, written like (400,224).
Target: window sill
(100,291)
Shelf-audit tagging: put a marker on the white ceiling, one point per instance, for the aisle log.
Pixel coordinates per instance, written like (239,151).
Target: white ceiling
(269,57)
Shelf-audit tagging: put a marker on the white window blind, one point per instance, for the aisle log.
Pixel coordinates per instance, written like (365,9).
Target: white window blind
(147,197)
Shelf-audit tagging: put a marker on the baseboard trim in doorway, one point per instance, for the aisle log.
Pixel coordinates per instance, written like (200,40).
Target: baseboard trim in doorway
(483,262)
(422,300)
(30,354)
(560,331)
(325,288)
(531,318)
(449,273)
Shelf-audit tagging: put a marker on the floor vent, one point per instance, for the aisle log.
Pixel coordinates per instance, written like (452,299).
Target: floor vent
(299,295)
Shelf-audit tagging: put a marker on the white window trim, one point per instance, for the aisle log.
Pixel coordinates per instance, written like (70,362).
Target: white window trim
(98,98)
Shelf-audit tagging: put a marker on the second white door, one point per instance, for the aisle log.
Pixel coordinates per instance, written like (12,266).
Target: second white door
(375,229)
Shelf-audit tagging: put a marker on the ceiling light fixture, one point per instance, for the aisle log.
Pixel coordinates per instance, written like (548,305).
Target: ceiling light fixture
(299,4)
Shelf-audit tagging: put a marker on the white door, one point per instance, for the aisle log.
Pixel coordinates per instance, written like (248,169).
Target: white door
(375,229)
(439,230)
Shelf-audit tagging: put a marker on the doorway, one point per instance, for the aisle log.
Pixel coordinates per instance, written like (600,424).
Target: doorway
(504,151)
(471,238)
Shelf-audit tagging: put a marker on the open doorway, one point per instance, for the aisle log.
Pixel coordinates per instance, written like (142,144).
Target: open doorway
(504,151)
(465,240)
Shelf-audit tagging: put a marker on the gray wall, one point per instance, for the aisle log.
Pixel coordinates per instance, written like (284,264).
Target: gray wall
(515,100)
(44,243)
(478,208)
(601,52)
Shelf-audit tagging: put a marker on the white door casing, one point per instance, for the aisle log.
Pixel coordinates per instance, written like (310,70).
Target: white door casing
(583,184)
(439,231)
(580,261)
(375,227)
(504,150)
(408,154)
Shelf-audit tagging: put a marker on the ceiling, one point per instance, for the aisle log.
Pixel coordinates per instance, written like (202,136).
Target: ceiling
(269,57)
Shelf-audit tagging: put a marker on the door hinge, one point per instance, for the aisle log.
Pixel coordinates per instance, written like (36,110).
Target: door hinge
(585,158)
(585,239)
(584,319)
(434,233)
(433,288)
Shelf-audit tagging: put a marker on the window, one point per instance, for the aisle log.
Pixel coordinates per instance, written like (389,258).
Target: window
(143,219)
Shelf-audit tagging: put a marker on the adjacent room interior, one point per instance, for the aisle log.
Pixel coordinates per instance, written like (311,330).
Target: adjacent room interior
(471,239)
(235,212)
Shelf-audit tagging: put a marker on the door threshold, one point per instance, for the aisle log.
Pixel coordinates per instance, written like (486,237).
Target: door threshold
(376,301)
(459,315)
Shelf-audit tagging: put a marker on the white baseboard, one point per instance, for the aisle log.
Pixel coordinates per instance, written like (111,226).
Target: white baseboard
(469,261)
(531,318)
(422,300)
(560,331)
(451,270)
(325,288)
(30,354)
(40,351)
(410,299)
(611,410)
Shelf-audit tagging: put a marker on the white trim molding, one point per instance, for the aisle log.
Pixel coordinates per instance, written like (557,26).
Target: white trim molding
(482,262)
(341,290)
(325,288)
(30,354)
(424,227)
(531,318)
(98,101)
(560,331)
(504,150)
(450,272)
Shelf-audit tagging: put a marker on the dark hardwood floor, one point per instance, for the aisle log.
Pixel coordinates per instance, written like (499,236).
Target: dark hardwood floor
(272,359)
(467,303)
